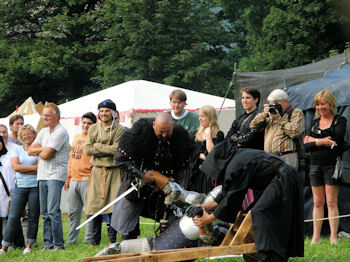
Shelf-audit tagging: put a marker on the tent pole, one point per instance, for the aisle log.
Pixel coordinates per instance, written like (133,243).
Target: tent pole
(229,86)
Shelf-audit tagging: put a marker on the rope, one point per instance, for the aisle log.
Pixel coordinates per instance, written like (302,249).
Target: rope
(326,218)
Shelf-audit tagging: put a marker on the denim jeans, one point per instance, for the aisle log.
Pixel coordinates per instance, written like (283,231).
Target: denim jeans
(20,197)
(50,200)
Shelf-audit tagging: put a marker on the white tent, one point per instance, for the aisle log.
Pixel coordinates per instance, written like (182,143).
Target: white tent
(27,108)
(140,98)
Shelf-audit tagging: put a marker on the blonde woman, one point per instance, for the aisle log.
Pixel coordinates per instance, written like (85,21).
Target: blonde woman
(324,140)
(25,191)
(207,135)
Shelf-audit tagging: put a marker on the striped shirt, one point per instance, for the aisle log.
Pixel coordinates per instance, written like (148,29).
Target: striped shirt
(279,133)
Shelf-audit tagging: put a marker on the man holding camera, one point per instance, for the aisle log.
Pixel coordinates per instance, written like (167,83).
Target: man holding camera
(283,124)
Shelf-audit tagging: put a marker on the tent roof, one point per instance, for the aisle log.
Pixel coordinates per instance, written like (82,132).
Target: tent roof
(337,81)
(139,95)
(267,81)
(27,108)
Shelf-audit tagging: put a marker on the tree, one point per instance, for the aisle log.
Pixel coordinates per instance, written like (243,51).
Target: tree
(47,50)
(292,33)
(176,42)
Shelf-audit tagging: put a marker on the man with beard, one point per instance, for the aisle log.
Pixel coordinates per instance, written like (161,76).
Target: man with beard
(151,144)
(101,144)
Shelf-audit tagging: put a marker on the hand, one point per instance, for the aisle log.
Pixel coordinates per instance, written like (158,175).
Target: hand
(327,141)
(202,156)
(307,138)
(66,186)
(205,219)
(209,206)
(147,178)
(207,132)
(266,108)
(87,191)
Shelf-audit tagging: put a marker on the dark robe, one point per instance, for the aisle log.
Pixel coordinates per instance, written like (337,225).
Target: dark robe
(278,214)
(241,133)
(197,180)
(141,147)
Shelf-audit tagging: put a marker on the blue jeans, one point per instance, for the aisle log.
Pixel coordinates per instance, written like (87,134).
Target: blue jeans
(50,200)
(20,197)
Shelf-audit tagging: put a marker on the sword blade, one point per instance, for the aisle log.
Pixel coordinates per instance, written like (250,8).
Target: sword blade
(127,192)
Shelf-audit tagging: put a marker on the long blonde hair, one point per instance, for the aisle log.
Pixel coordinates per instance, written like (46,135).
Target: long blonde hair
(210,113)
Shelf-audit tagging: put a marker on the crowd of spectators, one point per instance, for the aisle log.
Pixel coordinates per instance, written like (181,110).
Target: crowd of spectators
(35,167)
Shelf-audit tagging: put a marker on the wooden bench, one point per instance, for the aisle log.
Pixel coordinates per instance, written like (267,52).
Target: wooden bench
(238,240)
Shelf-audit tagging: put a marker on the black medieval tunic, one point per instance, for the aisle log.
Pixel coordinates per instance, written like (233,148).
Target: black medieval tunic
(278,214)
(140,146)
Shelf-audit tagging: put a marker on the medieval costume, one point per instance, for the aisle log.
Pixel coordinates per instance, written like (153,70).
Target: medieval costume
(278,214)
(197,181)
(240,132)
(144,150)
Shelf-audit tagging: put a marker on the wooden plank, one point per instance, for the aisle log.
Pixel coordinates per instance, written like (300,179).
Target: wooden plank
(179,254)
(239,219)
(229,236)
(243,230)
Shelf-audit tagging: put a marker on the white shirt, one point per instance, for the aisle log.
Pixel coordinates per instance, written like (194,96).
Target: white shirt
(9,175)
(54,168)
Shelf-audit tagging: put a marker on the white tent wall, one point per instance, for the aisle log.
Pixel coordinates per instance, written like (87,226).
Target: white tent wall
(28,119)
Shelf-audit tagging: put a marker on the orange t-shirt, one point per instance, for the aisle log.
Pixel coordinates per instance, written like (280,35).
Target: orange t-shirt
(79,165)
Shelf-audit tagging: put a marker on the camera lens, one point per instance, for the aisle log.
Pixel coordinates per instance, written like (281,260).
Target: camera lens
(272,110)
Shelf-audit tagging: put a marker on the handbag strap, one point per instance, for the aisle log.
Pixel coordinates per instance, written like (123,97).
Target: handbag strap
(5,185)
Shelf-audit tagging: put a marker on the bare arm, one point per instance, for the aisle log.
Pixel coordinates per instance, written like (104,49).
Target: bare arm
(209,139)
(35,149)
(47,153)
(29,170)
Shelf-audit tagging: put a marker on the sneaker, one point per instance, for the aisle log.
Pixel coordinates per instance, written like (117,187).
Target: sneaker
(2,252)
(26,250)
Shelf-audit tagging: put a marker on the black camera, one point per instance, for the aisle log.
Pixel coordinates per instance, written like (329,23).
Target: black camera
(274,107)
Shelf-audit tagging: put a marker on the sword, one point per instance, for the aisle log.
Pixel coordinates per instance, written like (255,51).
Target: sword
(127,192)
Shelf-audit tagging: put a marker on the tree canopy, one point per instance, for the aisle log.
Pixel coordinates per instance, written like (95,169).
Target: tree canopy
(58,50)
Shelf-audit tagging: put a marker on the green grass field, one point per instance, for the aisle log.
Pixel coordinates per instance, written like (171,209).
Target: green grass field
(323,251)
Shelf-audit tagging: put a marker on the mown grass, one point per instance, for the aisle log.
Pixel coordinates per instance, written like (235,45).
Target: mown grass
(322,251)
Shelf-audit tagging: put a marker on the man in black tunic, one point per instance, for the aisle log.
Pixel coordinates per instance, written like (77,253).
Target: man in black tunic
(240,132)
(151,144)
(277,215)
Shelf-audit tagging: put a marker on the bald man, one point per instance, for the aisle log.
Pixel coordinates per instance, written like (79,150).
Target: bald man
(151,144)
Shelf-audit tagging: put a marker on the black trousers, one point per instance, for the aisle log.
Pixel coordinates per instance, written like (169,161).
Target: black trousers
(96,231)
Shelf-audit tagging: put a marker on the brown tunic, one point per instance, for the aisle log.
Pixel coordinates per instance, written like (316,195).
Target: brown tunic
(101,145)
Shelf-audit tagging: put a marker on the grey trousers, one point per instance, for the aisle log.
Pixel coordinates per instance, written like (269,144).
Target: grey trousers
(77,198)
